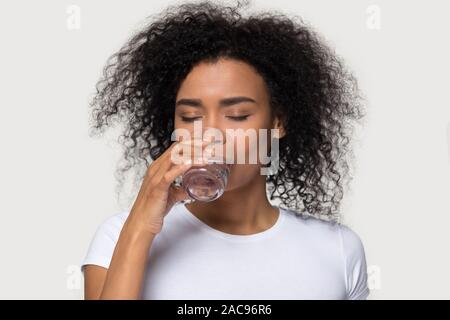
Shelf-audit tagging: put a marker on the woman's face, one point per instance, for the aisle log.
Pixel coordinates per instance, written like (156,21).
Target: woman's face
(202,95)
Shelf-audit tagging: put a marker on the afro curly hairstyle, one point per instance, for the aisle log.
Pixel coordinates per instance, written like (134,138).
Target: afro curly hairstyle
(309,87)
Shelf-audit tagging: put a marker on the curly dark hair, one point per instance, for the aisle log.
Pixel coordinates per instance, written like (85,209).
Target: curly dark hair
(310,89)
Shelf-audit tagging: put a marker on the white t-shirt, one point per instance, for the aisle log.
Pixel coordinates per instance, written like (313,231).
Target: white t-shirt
(297,258)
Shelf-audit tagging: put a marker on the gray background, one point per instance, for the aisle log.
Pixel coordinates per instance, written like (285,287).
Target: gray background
(57,184)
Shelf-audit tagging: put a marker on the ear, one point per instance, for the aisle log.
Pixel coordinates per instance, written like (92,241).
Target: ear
(278,124)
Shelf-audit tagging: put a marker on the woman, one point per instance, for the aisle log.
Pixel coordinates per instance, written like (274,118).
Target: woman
(180,69)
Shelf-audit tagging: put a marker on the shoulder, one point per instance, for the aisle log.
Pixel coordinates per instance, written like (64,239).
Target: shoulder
(104,240)
(106,236)
(311,226)
(338,242)
(112,225)
(324,229)
(351,242)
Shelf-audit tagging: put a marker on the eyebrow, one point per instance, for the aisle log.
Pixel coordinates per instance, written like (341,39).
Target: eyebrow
(222,103)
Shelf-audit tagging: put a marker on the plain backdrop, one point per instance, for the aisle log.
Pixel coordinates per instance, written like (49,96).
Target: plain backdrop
(57,184)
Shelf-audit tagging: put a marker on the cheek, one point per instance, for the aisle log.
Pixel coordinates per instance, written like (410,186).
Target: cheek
(248,149)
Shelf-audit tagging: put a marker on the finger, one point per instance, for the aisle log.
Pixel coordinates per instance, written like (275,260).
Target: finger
(190,150)
(177,194)
(155,166)
(180,153)
(168,178)
(152,169)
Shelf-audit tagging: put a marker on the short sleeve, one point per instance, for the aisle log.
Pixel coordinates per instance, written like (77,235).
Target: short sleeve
(355,264)
(104,241)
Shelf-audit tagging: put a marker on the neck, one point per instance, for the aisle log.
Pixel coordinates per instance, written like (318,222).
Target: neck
(245,210)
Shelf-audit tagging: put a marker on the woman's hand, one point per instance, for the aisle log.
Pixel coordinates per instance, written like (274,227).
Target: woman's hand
(158,194)
(123,279)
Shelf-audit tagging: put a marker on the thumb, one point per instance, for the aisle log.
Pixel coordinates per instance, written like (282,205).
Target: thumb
(179,194)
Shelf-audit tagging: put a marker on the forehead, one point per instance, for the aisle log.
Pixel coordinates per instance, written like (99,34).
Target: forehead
(224,77)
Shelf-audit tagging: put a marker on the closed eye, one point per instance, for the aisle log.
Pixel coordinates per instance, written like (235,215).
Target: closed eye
(239,118)
(189,119)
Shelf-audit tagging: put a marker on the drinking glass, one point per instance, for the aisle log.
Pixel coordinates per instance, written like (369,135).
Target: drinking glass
(207,182)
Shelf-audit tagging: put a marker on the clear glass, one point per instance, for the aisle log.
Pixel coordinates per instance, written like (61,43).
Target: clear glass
(206,183)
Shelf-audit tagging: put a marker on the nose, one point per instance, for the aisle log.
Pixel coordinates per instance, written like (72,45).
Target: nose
(211,127)
(214,133)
